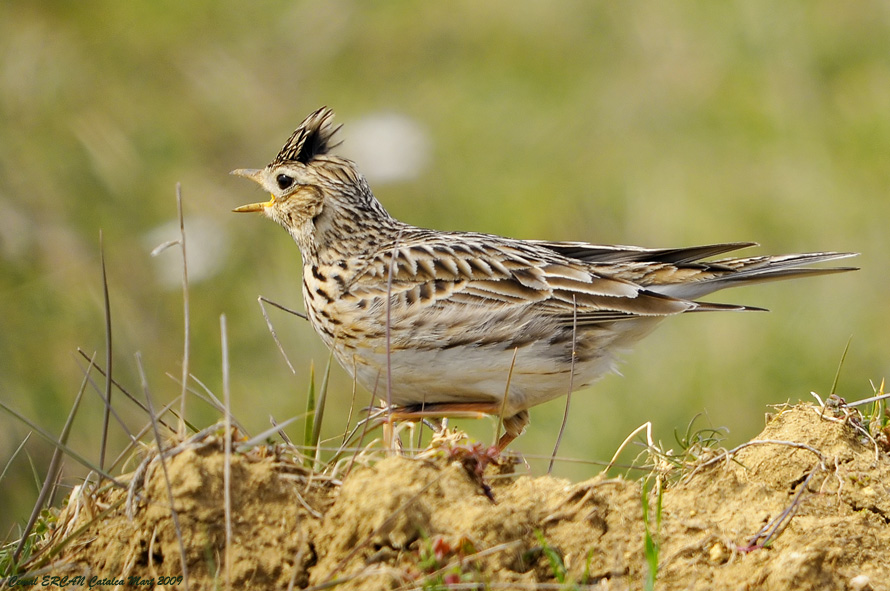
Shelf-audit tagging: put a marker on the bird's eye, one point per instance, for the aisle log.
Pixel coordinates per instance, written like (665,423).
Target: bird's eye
(284,181)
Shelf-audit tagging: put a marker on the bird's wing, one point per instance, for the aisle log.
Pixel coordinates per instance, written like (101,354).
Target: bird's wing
(432,270)
(608,253)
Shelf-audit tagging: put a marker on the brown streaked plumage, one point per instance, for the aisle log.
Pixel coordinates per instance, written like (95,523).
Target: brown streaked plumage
(462,305)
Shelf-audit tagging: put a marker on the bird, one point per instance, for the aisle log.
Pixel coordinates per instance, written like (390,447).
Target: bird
(446,323)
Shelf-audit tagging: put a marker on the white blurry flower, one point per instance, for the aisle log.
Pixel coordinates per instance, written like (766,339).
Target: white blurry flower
(206,247)
(387,147)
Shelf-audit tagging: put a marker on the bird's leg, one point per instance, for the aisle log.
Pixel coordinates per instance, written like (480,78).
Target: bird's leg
(513,427)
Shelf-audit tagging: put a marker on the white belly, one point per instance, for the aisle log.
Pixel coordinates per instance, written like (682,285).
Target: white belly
(484,373)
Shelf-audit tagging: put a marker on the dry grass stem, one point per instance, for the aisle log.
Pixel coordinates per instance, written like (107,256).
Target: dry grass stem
(55,466)
(108,352)
(227,465)
(166,474)
(186,333)
(565,414)
(278,344)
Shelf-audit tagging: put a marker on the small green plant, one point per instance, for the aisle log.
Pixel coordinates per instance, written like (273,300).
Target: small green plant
(696,443)
(557,566)
(878,420)
(16,553)
(585,578)
(445,565)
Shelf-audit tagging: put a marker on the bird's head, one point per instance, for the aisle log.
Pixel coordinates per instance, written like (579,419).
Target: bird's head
(304,177)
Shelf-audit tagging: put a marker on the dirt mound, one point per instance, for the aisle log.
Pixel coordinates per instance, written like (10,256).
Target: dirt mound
(806,505)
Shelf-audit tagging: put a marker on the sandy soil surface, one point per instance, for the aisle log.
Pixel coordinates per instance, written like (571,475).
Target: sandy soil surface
(804,505)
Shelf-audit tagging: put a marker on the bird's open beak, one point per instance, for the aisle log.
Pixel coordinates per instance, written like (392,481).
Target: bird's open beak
(254,175)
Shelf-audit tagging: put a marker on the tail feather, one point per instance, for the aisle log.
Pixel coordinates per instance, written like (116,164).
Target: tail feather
(767,268)
(737,272)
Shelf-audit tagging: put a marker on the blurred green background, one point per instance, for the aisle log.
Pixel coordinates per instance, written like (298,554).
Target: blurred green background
(658,124)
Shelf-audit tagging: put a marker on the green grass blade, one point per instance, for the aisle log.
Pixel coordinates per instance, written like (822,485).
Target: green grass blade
(837,376)
(309,427)
(319,408)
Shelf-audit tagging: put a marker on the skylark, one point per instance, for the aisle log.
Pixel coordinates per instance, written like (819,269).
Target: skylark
(456,323)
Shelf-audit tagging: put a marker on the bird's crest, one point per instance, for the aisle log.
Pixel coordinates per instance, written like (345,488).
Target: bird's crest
(312,138)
